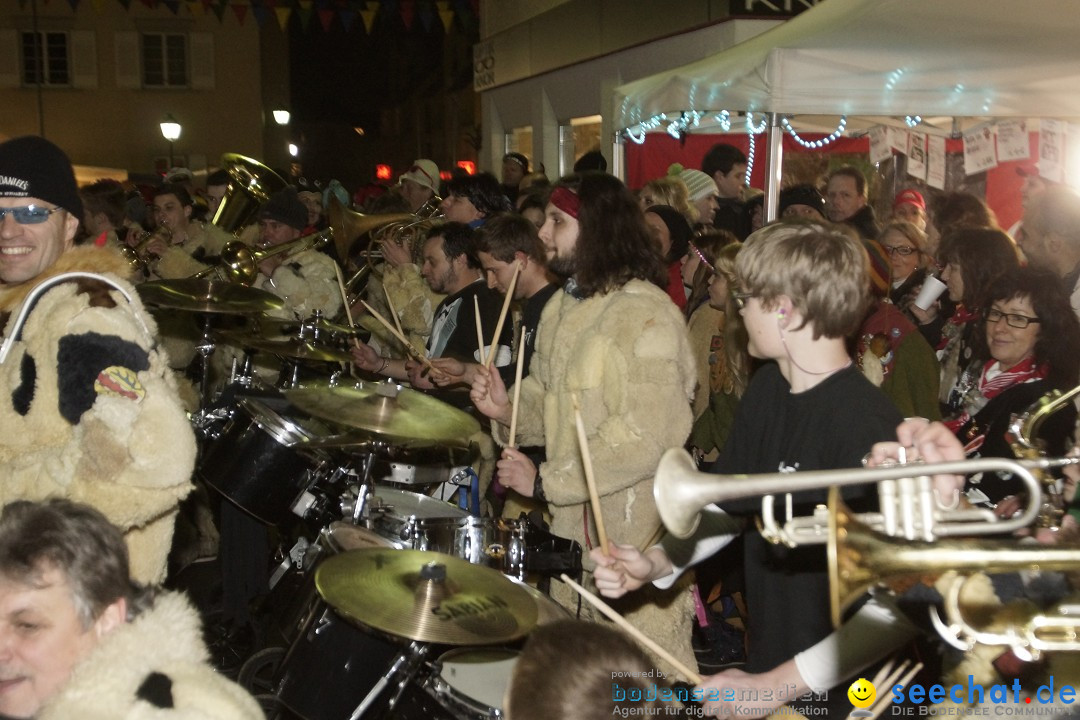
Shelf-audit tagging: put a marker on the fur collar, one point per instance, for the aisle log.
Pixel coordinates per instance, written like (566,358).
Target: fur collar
(82,258)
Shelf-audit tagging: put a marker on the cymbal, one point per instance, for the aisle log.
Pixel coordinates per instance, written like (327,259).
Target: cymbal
(388,411)
(298,350)
(268,326)
(426,596)
(208,296)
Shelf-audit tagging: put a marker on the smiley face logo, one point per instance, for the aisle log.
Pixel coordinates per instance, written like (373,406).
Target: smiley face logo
(862,693)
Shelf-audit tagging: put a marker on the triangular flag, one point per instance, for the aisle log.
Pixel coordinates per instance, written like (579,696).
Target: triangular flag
(326,17)
(219,9)
(99,6)
(348,17)
(306,6)
(447,17)
(283,15)
(74,4)
(240,11)
(408,13)
(427,17)
(22,4)
(126,4)
(196,8)
(173,5)
(373,5)
(368,16)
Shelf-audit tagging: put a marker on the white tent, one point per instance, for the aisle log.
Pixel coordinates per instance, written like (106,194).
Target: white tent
(950,58)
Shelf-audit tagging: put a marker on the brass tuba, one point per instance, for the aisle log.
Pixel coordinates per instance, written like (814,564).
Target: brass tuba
(250,185)
(907,507)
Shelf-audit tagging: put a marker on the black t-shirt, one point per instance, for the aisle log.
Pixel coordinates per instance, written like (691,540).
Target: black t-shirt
(530,319)
(830,426)
(458,327)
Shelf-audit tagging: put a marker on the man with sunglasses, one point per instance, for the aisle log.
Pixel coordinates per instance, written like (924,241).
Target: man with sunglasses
(90,409)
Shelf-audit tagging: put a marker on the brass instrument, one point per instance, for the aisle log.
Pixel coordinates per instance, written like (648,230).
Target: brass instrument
(250,185)
(239,263)
(137,257)
(349,225)
(1021,435)
(860,558)
(907,506)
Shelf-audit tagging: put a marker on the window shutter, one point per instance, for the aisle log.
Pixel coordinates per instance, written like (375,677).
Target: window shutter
(128,69)
(202,60)
(84,65)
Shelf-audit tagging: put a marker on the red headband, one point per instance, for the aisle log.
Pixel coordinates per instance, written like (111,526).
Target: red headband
(566,200)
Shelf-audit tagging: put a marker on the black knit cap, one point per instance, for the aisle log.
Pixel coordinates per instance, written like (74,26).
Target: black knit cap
(802,195)
(33,167)
(285,207)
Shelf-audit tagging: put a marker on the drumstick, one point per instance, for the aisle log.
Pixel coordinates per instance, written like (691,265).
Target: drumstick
(590,479)
(345,301)
(479,329)
(884,702)
(517,388)
(393,311)
(619,620)
(404,340)
(502,315)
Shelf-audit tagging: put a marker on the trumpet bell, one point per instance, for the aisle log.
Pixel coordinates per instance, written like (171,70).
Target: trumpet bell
(250,185)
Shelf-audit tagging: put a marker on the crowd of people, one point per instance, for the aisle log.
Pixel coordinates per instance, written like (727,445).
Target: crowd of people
(674,316)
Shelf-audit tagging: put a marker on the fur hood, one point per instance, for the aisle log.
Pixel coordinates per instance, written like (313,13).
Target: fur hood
(163,644)
(81,258)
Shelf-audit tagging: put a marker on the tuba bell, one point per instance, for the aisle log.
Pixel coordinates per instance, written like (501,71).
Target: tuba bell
(250,185)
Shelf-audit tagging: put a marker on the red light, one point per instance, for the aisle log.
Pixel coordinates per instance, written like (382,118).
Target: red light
(468,166)
(445,175)
(383,172)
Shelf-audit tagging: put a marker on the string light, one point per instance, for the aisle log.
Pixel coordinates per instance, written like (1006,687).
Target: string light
(724,119)
(752,131)
(912,120)
(814,144)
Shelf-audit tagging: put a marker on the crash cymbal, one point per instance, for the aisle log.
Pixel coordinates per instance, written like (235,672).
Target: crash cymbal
(426,596)
(208,296)
(269,326)
(297,349)
(388,411)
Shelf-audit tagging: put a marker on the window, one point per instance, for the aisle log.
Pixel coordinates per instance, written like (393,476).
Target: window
(164,60)
(45,58)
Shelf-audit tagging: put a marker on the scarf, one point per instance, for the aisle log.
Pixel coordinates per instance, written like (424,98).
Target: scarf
(989,387)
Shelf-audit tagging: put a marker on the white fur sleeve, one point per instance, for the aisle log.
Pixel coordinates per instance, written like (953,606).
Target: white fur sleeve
(873,632)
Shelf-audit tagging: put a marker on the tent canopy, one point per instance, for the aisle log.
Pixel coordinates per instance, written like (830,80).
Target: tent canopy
(948,58)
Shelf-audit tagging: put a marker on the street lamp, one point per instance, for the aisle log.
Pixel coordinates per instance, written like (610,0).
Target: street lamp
(281,117)
(170,130)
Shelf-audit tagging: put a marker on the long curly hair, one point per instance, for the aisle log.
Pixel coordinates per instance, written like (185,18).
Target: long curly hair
(614,245)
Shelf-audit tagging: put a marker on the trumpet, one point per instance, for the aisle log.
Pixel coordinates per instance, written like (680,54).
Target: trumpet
(239,263)
(137,257)
(907,506)
(860,558)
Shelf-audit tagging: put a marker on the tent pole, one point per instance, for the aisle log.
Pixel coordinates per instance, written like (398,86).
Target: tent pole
(618,156)
(773,168)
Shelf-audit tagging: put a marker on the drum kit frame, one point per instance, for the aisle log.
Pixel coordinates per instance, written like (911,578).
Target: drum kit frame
(402,603)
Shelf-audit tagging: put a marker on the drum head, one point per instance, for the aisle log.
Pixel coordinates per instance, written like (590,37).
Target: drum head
(477,677)
(404,504)
(344,537)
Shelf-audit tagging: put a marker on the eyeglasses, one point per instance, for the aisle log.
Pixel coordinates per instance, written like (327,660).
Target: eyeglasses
(1011,319)
(902,250)
(28,215)
(740,298)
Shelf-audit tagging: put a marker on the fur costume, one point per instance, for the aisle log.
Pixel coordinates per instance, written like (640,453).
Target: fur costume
(306,282)
(627,358)
(414,301)
(93,413)
(152,668)
(203,241)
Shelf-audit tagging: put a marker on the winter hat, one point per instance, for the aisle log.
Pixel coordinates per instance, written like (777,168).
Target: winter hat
(802,195)
(285,207)
(909,197)
(698,183)
(33,167)
(424,173)
(678,228)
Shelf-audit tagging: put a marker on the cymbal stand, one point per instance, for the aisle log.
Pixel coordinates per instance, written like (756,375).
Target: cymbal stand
(406,664)
(205,348)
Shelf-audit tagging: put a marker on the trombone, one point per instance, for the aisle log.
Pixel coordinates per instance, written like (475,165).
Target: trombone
(907,507)
(239,263)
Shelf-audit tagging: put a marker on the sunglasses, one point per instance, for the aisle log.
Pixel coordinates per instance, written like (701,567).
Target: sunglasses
(28,215)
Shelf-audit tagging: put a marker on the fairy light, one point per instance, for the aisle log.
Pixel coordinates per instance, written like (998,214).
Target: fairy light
(752,131)
(912,120)
(814,144)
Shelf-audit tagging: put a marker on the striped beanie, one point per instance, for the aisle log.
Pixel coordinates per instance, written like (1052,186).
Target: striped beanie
(698,183)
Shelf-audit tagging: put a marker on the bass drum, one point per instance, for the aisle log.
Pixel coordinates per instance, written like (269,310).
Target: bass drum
(472,682)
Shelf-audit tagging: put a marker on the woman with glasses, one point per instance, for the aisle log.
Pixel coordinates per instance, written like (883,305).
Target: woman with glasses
(1032,339)
(905,245)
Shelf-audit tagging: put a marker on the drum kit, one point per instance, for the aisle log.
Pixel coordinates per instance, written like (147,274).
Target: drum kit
(392,602)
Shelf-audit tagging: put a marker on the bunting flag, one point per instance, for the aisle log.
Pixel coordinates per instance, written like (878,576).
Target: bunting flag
(445,14)
(326,17)
(99,5)
(74,4)
(219,9)
(22,4)
(240,11)
(427,17)
(348,17)
(126,4)
(305,11)
(283,15)
(173,5)
(261,13)
(196,8)
(408,13)
(368,16)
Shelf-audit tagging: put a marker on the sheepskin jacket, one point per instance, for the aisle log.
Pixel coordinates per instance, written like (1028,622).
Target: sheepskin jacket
(626,357)
(92,411)
(203,242)
(306,282)
(152,668)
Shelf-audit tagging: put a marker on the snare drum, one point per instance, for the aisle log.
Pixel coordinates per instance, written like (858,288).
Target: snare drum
(472,682)
(255,465)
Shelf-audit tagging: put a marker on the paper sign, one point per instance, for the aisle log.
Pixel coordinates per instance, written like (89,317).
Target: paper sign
(880,149)
(1012,140)
(1052,150)
(979,151)
(935,161)
(916,155)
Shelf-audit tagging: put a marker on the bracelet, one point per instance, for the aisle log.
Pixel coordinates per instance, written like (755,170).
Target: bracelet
(385,363)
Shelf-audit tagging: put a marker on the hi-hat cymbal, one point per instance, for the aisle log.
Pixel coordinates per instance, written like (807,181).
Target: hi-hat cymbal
(208,296)
(426,596)
(297,349)
(387,411)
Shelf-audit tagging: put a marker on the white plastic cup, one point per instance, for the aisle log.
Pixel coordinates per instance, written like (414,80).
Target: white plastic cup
(931,290)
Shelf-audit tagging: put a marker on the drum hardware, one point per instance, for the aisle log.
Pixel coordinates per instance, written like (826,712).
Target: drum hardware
(405,665)
(425,596)
(303,555)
